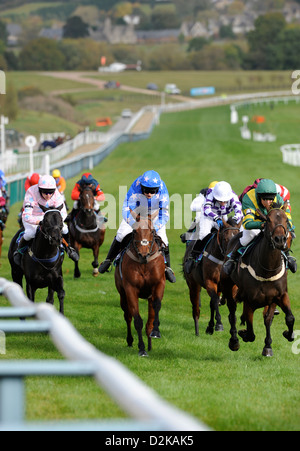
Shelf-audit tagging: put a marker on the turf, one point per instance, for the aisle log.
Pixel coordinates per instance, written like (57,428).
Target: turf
(228,391)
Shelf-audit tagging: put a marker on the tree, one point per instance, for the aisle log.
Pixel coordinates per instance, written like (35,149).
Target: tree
(11,107)
(41,54)
(263,41)
(75,28)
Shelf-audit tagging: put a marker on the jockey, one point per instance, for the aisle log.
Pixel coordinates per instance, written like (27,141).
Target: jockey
(32,179)
(219,202)
(262,198)
(147,192)
(281,190)
(46,195)
(60,181)
(3,193)
(196,206)
(86,180)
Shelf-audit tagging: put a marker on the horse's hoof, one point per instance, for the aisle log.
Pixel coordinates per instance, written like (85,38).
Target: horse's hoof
(209,330)
(219,327)
(234,345)
(143,354)
(267,352)
(155,334)
(95,272)
(288,336)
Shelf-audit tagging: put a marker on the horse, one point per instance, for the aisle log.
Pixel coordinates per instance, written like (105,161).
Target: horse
(85,230)
(260,281)
(141,274)
(206,274)
(42,263)
(3,219)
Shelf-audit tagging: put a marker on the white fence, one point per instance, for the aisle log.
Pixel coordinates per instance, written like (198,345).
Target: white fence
(13,163)
(291,154)
(142,404)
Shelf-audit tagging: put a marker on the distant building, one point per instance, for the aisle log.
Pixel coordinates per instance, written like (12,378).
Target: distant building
(52,33)
(14,32)
(114,34)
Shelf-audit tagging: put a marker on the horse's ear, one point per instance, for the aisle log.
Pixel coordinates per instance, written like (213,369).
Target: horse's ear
(136,216)
(285,205)
(43,208)
(60,207)
(154,215)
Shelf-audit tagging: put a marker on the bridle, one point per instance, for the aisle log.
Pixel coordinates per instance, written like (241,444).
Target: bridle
(269,234)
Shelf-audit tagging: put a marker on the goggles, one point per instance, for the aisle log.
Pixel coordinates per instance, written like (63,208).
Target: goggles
(146,190)
(47,191)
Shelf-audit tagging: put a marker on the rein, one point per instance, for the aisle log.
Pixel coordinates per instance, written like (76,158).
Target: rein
(213,258)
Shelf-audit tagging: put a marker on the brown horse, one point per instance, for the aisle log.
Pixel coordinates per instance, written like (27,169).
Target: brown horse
(260,280)
(206,274)
(141,274)
(85,229)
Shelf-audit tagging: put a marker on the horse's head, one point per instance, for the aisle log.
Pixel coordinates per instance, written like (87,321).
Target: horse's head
(277,229)
(227,232)
(87,200)
(51,226)
(143,234)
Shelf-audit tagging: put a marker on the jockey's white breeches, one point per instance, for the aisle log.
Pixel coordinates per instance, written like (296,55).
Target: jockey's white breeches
(248,235)
(206,224)
(30,230)
(125,229)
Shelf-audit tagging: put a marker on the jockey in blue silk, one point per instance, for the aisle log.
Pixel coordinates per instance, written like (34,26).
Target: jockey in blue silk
(147,195)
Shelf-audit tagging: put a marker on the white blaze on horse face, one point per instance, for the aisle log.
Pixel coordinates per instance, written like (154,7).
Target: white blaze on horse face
(144,242)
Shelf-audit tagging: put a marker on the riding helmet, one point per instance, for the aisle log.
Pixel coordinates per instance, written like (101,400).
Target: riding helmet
(222,192)
(151,179)
(266,189)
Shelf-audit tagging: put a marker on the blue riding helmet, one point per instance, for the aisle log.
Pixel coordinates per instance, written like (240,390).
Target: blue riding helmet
(151,179)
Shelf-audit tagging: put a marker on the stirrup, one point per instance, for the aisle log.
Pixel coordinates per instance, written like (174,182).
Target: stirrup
(104,267)
(170,276)
(292,264)
(229,266)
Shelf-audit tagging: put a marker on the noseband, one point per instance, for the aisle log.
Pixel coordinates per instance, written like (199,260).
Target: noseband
(144,242)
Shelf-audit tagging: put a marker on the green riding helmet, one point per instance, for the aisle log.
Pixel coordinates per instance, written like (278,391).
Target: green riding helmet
(266,189)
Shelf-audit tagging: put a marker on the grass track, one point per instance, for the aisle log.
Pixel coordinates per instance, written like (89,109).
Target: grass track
(228,391)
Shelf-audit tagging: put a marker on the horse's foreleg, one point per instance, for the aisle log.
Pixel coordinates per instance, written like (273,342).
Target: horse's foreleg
(234,344)
(248,334)
(195,298)
(50,297)
(152,327)
(127,317)
(285,305)
(268,318)
(212,290)
(77,272)
(95,263)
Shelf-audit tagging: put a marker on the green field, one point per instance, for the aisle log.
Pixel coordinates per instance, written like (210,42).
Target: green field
(228,391)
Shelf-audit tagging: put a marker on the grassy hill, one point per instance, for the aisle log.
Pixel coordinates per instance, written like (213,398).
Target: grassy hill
(228,391)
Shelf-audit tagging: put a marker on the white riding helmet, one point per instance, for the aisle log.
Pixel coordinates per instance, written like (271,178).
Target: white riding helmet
(222,192)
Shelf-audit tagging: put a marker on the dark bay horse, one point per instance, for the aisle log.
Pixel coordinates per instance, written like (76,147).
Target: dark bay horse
(141,274)
(85,230)
(206,274)
(260,281)
(42,263)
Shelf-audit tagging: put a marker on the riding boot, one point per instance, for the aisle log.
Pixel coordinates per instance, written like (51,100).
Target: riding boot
(291,262)
(71,252)
(170,276)
(196,251)
(114,250)
(230,264)
(185,236)
(22,248)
